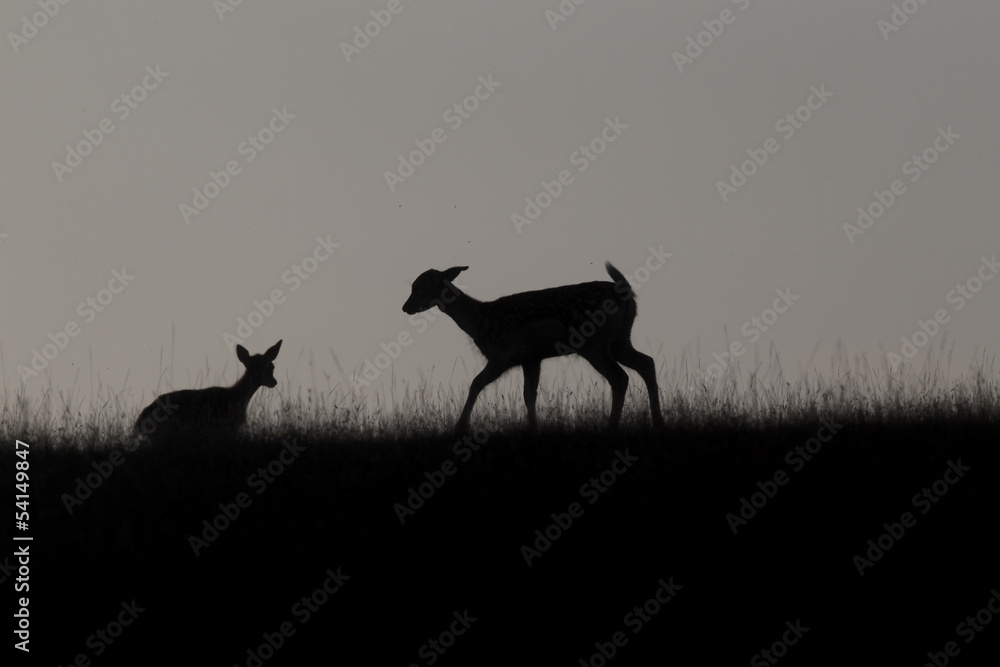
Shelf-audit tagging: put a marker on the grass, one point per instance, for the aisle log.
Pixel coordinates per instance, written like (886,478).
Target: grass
(337,504)
(853,390)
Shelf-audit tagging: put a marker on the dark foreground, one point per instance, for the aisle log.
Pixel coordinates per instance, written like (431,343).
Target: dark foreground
(650,562)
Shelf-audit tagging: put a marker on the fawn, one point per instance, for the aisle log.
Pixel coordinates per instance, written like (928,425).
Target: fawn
(591,319)
(221,410)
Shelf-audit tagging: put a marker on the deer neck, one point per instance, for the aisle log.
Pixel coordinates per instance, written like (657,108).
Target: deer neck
(466,312)
(244,389)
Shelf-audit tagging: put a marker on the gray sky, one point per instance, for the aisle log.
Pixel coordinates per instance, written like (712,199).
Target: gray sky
(346,114)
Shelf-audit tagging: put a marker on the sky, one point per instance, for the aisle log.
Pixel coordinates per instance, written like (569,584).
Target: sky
(179,164)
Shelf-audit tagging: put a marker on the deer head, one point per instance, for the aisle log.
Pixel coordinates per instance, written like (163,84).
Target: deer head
(260,367)
(432,288)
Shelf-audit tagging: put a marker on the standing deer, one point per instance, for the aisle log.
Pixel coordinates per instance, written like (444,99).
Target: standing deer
(220,410)
(591,319)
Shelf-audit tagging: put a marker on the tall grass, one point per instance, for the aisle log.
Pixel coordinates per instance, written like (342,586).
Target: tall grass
(763,396)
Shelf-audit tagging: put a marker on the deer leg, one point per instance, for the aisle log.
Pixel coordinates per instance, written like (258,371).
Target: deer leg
(605,364)
(532,372)
(644,365)
(492,371)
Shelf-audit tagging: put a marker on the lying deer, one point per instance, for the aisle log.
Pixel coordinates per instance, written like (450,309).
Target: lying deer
(220,410)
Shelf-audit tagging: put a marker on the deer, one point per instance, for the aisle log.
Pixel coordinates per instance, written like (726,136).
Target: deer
(593,320)
(219,410)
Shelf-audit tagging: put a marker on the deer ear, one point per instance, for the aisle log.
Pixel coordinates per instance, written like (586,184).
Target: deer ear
(242,354)
(453,272)
(272,351)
